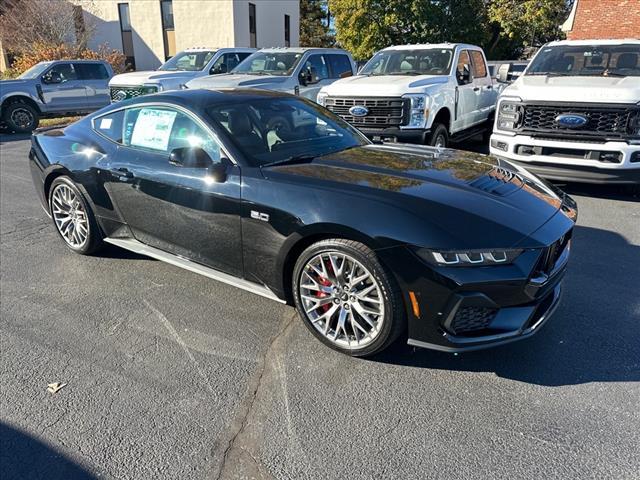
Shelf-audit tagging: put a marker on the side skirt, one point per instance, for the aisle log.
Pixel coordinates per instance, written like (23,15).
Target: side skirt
(142,249)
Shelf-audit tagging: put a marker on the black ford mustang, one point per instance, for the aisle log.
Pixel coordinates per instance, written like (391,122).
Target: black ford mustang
(274,194)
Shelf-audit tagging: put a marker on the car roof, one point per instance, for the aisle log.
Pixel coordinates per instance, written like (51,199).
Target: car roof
(303,49)
(621,41)
(421,46)
(76,61)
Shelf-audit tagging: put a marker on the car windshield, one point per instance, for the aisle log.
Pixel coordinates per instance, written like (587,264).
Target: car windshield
(269,63)
(587,60)
(35,71)
(433,61)
(188,61)
(282,129)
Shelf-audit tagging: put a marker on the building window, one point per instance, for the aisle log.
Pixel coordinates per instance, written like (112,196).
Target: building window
(287,31)
(127,36)
(168,28)
(253,37)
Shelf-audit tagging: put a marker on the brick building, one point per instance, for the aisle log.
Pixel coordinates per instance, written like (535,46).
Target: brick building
(599,19)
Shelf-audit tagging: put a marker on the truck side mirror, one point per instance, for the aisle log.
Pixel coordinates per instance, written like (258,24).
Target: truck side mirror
(312,76)
(222,68)
(52,77)
(503,73)
(464,75)
(303,77)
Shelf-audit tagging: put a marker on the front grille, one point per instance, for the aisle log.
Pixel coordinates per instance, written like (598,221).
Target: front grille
(124,93)
(602,121)
(552,253)
(383,111)
(471,319)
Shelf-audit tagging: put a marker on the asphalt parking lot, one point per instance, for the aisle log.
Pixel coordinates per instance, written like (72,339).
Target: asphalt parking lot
(172,375)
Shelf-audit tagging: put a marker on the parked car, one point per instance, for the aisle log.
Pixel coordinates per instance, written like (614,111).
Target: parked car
(303,71)
(177,71)
(366,240)
(56,88)
(574,115)
(431,94)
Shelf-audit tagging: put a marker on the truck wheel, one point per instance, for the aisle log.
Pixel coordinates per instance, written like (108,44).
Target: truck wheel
(439,136)
(21,117)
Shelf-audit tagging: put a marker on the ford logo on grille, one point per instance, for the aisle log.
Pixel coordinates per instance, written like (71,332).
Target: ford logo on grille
(120,95)
(571,120)
(359,111)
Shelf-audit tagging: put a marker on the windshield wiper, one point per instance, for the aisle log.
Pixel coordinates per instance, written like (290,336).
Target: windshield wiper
(291,160)
(408,72)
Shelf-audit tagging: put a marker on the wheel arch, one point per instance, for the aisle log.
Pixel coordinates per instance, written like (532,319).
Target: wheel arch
(17,98)
(443,116)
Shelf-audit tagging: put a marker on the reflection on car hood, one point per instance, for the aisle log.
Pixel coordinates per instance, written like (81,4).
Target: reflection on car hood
(377,85)
(237,80)
(456,190)
(152,76)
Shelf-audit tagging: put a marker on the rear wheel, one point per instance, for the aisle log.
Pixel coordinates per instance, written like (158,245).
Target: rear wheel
(21,117)
(346,297)
(73,218)
(439,136)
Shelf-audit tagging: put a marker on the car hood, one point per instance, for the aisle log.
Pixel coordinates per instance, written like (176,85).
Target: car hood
(576,89)
(238,80)
(13,83)
(152,76)
(450,191)
(383,85)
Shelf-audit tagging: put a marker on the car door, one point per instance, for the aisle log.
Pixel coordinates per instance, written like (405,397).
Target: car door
(62,90)
(96,82)
(316,67)
(483,87)
(178,209)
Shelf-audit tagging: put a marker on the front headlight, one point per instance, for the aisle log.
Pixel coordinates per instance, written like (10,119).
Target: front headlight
(321,97)
(147,89)
(418,110)
(508,115)
(469,258)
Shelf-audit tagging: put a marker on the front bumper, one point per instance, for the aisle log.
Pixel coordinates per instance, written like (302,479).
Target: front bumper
(568,161)
(413,135)
(462,309)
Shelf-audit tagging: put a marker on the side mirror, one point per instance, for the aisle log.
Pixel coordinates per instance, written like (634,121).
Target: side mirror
(464,75)
(196,157)
(222,68)
(303,78)
(503,73)
(52,77)
(312,76)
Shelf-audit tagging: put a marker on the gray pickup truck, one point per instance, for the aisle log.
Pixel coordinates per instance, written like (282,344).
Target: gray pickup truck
(56,88)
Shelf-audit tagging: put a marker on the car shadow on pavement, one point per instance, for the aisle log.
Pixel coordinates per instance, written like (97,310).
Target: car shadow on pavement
(13,137)
(23,456)
(594,336)
(610,192)
(111,251)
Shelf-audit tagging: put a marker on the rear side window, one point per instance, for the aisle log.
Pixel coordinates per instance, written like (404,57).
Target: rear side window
(340,66)
(110,125)
(91,71)
(479,67)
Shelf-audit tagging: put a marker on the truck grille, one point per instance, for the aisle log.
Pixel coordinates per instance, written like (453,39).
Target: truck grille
(123,93)
(602,121)
(382,112)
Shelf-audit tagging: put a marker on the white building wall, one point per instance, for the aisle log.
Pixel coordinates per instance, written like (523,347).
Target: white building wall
(269,22)
(202,23)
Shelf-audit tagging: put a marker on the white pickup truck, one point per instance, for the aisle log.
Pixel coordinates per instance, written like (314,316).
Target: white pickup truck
(431,94)
(574,115)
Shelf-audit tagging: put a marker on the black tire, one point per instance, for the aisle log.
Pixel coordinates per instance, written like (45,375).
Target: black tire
(393,322)
(486,135)
(21,117)
(439,136)
(94,237)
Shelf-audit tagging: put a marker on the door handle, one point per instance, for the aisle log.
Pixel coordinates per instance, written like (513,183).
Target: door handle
(122,173)
(475,89)
(489,87)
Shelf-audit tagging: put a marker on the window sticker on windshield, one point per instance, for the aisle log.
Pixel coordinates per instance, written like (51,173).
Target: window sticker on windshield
(152,129)
(105,123)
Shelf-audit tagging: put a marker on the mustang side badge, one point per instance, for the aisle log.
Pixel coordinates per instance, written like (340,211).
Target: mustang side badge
(259,216)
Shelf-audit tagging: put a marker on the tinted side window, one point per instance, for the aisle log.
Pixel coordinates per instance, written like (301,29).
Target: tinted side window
(91,71)
(65,70)
(110,125)
(463,60)
(479,67)
(164,129)
(319,64)
(340,66)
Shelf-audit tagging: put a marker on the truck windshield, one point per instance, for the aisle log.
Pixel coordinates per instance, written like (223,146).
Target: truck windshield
(269,63)
(433,61)
(188,61)
(587,60)
(35,71)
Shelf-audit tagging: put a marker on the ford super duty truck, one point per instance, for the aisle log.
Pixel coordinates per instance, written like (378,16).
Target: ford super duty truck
(177,71)
(574,115)
(431,94)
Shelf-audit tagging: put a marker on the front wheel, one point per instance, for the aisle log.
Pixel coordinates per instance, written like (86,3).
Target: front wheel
(439,136)
(21,117)
(73,218)
(346,298)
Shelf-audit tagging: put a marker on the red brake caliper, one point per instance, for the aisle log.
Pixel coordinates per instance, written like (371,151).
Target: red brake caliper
(325,283)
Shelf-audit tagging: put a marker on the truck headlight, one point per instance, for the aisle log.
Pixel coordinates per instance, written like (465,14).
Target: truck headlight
(418,110)
(509,115)
(469,258)
(321,97)
(147,89)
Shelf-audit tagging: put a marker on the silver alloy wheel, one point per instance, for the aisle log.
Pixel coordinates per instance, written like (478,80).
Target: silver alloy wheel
(342,299)
(440,141)
(22,118)
(70,216)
